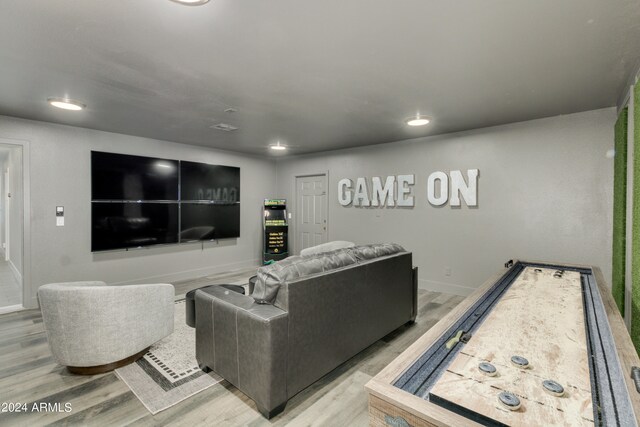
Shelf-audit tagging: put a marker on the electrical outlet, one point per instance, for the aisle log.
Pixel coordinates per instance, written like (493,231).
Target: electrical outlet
(447,271)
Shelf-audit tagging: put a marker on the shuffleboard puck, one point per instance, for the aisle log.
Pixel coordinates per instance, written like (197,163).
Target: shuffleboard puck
(509,400)
(488,369)
(553,388)
(520,362)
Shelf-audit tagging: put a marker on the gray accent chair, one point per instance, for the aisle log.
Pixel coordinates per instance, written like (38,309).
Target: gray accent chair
(93,328)
(326,309)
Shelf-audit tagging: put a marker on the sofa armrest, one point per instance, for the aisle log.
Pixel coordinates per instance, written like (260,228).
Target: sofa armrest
(245,343)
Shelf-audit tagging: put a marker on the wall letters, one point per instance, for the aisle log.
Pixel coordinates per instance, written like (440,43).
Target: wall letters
(398,191)
(443,179)
(469,191)
(404,191)
(381,195)
(361,196)
(344,195)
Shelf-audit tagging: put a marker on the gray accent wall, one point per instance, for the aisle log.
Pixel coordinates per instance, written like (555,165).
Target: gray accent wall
(544,193)
(60,176)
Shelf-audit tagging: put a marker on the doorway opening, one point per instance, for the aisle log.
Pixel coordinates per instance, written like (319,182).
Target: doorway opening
(311,211)
(11,227)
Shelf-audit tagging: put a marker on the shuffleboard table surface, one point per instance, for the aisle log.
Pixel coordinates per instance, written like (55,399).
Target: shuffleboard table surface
(541,318)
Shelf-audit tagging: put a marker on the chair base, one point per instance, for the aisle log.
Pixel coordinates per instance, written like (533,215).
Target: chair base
(101,369)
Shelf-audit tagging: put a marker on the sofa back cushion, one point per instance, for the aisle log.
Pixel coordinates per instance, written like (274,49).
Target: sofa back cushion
(377,250)
(296,267)
(270,277)
(327,247)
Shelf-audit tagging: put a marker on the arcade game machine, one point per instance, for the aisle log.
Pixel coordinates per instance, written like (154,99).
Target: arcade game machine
(276,231)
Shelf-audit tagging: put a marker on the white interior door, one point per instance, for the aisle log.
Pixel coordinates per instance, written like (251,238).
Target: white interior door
(311,203)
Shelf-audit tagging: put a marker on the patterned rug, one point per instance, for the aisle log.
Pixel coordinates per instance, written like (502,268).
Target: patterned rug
(168,373)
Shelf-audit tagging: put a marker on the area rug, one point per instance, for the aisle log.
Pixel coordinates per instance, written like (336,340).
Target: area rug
(168,373)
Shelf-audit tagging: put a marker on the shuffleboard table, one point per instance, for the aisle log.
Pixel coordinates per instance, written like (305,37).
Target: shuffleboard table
(539,344)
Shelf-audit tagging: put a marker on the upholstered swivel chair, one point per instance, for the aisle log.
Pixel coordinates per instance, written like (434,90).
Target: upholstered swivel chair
(94,328)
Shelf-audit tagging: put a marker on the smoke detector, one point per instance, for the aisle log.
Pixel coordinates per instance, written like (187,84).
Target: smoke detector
(224,126)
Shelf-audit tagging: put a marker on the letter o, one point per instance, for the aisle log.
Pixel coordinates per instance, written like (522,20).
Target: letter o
(444,188)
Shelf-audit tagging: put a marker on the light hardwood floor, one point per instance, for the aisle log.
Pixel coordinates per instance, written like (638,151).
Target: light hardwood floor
(28,374)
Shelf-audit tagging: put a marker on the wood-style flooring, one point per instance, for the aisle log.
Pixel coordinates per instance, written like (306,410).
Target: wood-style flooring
(29,375)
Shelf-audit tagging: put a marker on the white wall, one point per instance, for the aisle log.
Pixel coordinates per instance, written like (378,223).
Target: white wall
(545,193)
(60,176)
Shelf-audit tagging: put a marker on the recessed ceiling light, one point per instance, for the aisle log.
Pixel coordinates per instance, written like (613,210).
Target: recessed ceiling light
(66,104)
(191,2)
(224,126)
(418,120)
(277,146)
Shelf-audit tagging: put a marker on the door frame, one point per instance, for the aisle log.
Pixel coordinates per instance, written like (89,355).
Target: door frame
(29,299)
(7,214)
(324,173)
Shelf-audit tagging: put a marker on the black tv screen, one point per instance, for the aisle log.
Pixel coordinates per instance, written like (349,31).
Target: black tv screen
(208,221)
(132,225)
(143,201)
(124,177)
(201,181)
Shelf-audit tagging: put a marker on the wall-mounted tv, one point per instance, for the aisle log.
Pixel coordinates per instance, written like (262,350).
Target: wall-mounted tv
(132,225)
(141,201)
(207,221)
(200,181)
(124,177)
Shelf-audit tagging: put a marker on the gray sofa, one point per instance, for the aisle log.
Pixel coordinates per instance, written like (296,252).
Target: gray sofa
(306,316)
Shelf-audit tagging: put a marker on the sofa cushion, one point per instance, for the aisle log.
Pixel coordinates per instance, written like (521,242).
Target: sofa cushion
(295,267)
(376,250)
(327,247)
(270,277)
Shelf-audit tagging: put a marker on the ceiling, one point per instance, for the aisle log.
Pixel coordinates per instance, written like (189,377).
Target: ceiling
(320,75)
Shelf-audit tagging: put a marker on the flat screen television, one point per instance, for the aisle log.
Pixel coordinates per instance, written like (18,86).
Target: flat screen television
(143,201)
(201,181)
(130,225)
(209,221)
(123,177)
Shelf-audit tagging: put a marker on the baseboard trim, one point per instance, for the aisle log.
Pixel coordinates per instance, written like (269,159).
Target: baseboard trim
(447,288)
(192,274)
(11,309)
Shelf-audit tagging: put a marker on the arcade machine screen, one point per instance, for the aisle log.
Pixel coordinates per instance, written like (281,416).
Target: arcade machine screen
(276,232)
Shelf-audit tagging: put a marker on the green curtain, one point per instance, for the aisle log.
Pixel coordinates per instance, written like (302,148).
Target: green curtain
(635,255)
(619,209)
